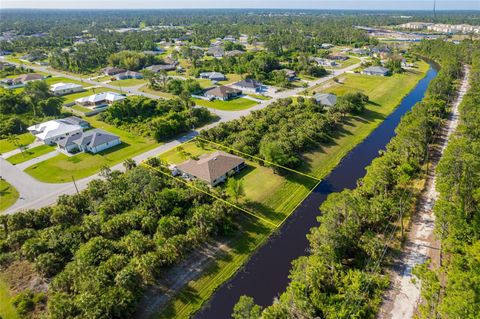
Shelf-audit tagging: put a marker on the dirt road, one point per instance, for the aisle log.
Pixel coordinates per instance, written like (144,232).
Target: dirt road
(401,300)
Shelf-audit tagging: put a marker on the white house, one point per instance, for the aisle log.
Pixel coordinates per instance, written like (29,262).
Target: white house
(100,100)
(53,131)
(213,76)
(65,88)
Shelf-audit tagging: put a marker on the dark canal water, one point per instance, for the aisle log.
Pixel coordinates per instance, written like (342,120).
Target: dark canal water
(265,276)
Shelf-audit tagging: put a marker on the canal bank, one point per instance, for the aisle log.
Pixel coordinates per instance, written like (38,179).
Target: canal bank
(266,273)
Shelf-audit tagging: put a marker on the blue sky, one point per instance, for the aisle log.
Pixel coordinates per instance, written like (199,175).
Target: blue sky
(313,4)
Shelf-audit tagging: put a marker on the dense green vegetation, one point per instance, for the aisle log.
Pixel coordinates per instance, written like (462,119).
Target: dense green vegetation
(453,291)
(103,247)
(159,119)
(342,277)
(284,130)
(18,110)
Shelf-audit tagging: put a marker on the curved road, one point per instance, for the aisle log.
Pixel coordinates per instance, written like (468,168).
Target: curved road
(36,194)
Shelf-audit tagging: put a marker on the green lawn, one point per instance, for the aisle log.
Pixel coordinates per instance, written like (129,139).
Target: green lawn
(165,95)
(23,139)
(7,310)
(79,108)
(61,79)
(128,82)
(30,154)
(319,163)
(231,105)
(8,197)
(61,168)
(72,97)
(260,97)
(204,83)
(231,78)
(344,64)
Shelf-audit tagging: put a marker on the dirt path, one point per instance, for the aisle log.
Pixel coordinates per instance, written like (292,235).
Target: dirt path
(401,301)
(176,278)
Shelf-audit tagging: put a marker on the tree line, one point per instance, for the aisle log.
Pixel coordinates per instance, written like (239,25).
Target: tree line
(453,290)
(342,276)
(286,129)
(159,119)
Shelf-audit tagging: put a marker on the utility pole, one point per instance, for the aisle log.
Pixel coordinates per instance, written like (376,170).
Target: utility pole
(75,184)
(434,11)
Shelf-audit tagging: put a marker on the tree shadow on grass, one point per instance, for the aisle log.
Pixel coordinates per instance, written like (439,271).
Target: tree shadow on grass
(5,191)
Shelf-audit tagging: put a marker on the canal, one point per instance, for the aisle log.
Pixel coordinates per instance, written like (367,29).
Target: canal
(265,275)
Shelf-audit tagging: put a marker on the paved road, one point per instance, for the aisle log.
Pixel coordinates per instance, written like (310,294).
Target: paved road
(36,194)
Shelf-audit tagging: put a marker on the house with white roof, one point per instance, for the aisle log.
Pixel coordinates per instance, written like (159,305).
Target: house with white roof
(376,70)
(65,88)
(53,131)
(92,141)
(213,76)
(100,100)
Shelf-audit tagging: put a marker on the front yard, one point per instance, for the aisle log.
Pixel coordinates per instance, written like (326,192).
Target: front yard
(128,82)
(61,168)
(231,105)
(29,154)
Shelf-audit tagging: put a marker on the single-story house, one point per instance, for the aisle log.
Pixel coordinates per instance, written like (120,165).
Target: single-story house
(248,85)
(212,169)
(327,46)
(154,52)
(325,99)
(65,88)
(92,141)
(376,70)
(325,62)
(129,75)
(53,131)
(100,100)
(159,67)
(338,57)
(361,51)
(291,74)
(222,93)
(216,52)
(214,76)
(112,70)
(234,53)
(28,77)
(6,65)
(73,120)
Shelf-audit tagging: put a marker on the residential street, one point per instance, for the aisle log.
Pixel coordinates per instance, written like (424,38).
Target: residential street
(36,194)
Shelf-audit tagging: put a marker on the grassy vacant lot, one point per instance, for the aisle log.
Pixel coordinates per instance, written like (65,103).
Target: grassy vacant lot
(6,307)
(8,196)
(165,95)
(30,154)
(260,97)
(61,79)
(61,168)
(128,82)
(72,97)
(344,64)
(388,95)
(231,77)
(23,139)
(232,105)
(270,195)
(204,83)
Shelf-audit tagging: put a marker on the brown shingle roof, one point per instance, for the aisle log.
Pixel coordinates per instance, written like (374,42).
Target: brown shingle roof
(211,167)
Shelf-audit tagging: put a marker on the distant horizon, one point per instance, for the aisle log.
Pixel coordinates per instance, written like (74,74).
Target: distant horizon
(240,8)
(351,5)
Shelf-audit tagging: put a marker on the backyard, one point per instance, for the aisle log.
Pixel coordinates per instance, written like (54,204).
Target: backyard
(61,168)
(237,104)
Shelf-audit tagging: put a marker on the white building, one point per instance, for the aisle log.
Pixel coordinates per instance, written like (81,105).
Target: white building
(53,131)
(100,100)
(65,88)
